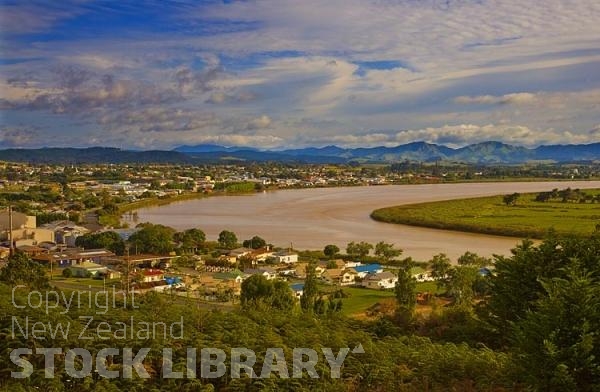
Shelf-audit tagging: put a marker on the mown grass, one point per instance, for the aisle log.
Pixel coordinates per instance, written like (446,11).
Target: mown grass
(489,215)
(361,299)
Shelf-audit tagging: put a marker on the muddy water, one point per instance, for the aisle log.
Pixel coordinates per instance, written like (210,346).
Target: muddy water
(313,218)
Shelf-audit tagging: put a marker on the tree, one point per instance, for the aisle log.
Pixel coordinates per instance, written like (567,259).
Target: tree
(461,279)
(283,297)
(515,287)
(255,242)
(440,269)
(387,251)
(405,289)
(21,270)
(331,250)
(227,239)
(557,343)
(155,239)
(358,250)
(255,289)
(67,273)
(258,290)
(511,200)
(310,291)
(191,239)
(106,239)
(470,258)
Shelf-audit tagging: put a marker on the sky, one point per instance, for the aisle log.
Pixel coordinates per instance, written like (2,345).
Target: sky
(279,74)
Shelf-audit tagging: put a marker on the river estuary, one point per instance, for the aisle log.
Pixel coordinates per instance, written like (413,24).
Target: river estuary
(313,218)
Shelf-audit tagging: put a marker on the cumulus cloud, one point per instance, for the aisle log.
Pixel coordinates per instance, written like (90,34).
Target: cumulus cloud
(77,90)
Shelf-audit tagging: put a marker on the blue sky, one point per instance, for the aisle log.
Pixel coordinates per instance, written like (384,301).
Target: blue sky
(289,73)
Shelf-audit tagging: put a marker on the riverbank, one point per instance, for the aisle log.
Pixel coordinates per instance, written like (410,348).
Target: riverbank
(527,218)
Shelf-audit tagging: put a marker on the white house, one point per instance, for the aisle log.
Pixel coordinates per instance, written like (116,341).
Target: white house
(348,277)
(382,280)
(268,273)
(286,257)
(352,264)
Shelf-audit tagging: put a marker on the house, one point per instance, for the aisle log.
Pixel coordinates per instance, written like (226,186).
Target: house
(109,274)
(152,275)
(298,289)
(32,250)
(380,280)
(267,272)
(65,232)
(235,275)
(331,276)
(87,269)
(142,261)
(364,270)
(262,254)
(286,256)
(239,252)
(72,257)
(352,264)
(339,276)
(348,277)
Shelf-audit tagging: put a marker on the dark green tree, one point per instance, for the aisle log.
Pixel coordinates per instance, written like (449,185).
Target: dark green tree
(470,258)
(331,250)
(106,239)
(358,249)
(227,239)
(511,200)
(155,239)
(21,270)
(257,291)
(310,291)
(406,289)
(191,239)
(386,251)
(255,242)
(557,343)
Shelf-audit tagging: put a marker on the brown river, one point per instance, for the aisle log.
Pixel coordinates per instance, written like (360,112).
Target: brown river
(313,218)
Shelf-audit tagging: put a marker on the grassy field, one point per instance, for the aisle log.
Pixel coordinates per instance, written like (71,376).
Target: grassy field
(361,299)
(489,215)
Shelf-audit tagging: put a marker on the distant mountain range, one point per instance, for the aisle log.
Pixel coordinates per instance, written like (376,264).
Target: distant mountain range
(482,153)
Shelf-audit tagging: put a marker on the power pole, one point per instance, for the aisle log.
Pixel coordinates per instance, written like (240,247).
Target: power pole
(10,231)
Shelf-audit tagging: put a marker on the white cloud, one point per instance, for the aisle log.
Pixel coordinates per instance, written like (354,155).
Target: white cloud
(464,134)
(303,63)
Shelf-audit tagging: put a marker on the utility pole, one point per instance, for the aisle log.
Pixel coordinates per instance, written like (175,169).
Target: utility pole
(127,260)
(10,231)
